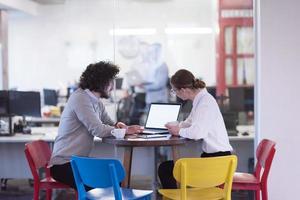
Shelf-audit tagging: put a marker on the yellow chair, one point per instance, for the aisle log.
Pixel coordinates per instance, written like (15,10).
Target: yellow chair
(203,178)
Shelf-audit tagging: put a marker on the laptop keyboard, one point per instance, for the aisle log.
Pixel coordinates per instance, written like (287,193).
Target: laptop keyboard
(150,131)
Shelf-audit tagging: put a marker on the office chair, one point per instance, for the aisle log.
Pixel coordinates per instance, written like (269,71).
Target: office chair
(38,155)
(131,108)
(105,176)
(125,109)
(203,178)
(258,180)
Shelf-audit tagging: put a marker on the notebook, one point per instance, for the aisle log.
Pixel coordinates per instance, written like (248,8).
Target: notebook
(159,114)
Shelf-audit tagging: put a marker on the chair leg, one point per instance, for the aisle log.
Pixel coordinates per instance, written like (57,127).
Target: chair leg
(36,192)
(48,194)
(264,192)
(76,195)
(257,195)
(4,183)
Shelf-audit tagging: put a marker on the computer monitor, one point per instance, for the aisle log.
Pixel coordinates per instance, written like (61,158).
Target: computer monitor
(231,121)
(212,90)
(249,98)
(50,97)
(25,103)
(119,82)
(241,98)
(4,109)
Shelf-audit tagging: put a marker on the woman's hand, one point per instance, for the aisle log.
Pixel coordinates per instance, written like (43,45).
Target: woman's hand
(134,129)
(173,129)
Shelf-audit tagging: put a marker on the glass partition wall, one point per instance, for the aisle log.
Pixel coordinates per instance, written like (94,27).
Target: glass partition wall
(154,39)
(149,40)
(212,39)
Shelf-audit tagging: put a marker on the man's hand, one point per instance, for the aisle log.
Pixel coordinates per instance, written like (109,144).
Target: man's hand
(134,129)
(121,125)
(173,129)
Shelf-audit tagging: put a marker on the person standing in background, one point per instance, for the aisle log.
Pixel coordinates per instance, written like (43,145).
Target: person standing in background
(156,89)
(147,81)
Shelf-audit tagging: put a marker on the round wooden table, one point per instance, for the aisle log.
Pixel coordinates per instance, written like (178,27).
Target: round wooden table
(129,142)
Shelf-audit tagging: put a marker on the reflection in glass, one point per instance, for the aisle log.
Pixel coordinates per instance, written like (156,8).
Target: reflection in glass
(228,40)
(228,71)
(246,71)
(187,40)
(245,40)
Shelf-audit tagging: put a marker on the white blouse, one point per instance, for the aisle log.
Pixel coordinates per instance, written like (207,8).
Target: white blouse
(206,122)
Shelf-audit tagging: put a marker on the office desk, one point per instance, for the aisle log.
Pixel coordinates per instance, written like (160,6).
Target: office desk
(39,121)
(243,147)
(129,143)
(12,157)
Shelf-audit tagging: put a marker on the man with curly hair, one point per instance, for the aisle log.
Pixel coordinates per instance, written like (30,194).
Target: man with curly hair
(83,118)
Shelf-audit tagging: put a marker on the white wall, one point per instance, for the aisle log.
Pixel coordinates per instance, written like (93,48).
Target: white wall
(1,70)
(55,46)
(279,93)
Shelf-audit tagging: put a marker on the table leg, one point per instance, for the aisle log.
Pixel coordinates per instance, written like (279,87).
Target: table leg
(155,181)
(175,153)
(127,165)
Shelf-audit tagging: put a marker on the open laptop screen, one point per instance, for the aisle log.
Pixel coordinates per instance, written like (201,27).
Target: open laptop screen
(161,113)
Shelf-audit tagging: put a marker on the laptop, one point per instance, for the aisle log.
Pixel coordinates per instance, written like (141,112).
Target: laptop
(159,114)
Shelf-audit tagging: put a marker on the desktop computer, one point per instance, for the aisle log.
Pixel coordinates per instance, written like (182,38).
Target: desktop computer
(25,103)
(50,97)
(231,121)
(241,98)
(18,103)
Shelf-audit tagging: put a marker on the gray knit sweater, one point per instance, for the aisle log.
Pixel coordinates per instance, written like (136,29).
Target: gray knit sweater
(83,118)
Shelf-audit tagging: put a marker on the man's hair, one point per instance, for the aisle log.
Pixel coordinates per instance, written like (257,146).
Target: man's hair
(97,76)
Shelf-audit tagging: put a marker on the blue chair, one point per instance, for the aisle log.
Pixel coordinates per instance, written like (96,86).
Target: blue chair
(105,176)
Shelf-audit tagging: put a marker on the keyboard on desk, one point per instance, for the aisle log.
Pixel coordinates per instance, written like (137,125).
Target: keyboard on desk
(37,133)
(232,132)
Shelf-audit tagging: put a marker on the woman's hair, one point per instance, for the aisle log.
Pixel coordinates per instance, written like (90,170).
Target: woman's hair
(185,79)
(97,76)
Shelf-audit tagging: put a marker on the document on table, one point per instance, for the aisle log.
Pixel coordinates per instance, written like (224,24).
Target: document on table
(142,137)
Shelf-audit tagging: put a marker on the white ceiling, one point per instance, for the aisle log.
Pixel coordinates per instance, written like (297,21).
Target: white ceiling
(24,6)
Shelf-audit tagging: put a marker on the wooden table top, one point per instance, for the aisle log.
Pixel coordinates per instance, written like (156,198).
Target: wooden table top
(141,142)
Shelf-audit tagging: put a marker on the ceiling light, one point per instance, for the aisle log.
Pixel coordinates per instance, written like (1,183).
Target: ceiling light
(191,30)
(133,31)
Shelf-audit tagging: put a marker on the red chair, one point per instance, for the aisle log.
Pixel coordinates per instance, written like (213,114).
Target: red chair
(257,181)
(38,155)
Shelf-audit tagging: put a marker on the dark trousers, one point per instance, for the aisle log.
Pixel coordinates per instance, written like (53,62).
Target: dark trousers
(63,174)
(165,170)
